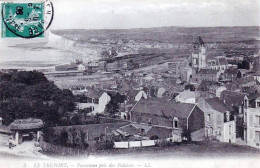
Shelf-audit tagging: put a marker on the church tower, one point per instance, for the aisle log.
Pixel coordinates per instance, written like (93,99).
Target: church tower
(198,56)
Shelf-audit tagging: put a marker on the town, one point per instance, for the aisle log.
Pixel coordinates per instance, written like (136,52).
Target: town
(125,101)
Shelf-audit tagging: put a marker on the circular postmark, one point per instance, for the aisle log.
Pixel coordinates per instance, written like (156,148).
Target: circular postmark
(27,20)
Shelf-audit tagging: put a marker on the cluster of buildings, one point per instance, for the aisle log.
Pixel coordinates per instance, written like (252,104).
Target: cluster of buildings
(210,98)
(207,97)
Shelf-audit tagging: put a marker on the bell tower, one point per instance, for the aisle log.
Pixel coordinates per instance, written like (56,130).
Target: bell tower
(198,56)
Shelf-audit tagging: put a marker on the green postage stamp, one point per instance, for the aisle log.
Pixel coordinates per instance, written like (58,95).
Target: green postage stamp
(25,20)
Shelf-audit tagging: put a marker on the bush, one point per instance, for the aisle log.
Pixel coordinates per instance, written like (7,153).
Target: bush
(75,120)
(165,143)
(62,138)
(186,136)
(104,145)
(49,135)
(154,137)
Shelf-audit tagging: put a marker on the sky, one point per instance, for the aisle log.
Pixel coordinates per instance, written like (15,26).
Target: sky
(123,14)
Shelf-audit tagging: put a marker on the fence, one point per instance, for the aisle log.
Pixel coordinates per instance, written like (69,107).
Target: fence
(60,150)
(132,144)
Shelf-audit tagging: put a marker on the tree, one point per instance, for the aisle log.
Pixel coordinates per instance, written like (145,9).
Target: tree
(112,107)
(49,135)
(63,138)
(28,94)
(75,120)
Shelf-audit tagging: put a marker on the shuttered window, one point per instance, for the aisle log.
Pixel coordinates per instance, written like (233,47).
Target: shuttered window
(257,120)
(257,136)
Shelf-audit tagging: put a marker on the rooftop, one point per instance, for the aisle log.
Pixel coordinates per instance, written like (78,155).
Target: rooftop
(187,94)
(231,71)
(218,105)
(24,124)
(207,71)
(199,41)
(164,108)
(222,61)
(232,98)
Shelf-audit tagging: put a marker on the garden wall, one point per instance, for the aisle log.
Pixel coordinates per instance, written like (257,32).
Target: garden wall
(61,150)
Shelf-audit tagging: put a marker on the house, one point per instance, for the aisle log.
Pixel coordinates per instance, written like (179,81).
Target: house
(216,90)
(81,67)
(208,89)
(101,98)
(186,74)
(113,66)
(204,85)
(252,120)
(233,86)
(231,74)
(219,121)
(256,64)
(256,76)
(97,99)
(135,95)
(187,97)
(219,64)
(172,92)
(92,66)
(245,82)
(168,114)
(222,64)
(207,75)
(236,101)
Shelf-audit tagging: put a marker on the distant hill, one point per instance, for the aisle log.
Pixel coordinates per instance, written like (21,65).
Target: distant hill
(175,35)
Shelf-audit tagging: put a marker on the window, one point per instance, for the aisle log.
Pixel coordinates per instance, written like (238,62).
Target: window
(219,131)
(208,117)
(149,120)
(210,130)
(230,129)
(257,136)
(257,104)
(228,116)
(257,120)
(246,103)
(176,123)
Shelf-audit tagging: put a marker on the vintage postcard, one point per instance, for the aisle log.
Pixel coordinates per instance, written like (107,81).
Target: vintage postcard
(129,83)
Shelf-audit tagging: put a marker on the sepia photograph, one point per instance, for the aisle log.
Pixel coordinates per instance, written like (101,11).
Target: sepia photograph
(129,83)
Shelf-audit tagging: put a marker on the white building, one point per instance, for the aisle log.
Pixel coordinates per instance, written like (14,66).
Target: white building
(81,67)
(257,76)
(219,63)
(186,97)
(219,123)
(252,120)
